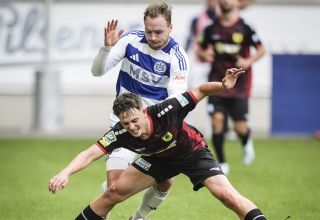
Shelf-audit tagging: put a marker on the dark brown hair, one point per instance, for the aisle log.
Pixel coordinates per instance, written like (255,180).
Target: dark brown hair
(126,102)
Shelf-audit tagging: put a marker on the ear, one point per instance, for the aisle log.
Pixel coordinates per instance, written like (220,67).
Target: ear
(144,111)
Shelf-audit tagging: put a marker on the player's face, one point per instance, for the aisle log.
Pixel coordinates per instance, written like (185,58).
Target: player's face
(135,122)
(157,32)
(227,5)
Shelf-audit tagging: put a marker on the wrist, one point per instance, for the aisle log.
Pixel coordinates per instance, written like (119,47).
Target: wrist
(224,85)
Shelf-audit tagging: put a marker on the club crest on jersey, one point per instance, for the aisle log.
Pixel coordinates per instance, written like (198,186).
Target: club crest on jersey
(160,67)
(167,137)
(237,38)
(108,138)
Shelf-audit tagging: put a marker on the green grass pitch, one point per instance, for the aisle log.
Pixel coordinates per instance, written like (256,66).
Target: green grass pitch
(283,182)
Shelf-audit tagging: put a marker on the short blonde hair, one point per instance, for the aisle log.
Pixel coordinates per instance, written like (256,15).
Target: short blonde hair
(158,8)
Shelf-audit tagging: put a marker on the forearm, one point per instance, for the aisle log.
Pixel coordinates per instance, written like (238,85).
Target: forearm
(81,161)
(207,89)
(99,65)
(211,88)
(258,54)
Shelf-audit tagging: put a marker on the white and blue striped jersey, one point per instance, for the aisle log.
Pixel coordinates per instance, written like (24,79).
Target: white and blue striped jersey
(155,75)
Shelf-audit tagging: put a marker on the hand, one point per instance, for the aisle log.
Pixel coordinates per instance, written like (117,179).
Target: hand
(231,76)
(111,37)
(58,182)
(206,55)
(243,63)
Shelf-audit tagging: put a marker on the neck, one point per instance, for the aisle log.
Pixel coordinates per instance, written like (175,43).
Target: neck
(147,131)
(229,18)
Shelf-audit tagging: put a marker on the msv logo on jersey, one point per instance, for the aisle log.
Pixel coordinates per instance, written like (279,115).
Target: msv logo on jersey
(159,67)
(148,78)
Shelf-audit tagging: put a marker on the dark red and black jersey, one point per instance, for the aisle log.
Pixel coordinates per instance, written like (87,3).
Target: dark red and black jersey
(171,138)
(229,43)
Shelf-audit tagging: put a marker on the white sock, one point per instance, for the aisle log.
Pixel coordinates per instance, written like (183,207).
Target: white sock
(152,199)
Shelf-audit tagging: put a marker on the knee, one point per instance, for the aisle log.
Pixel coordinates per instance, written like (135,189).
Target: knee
(217,122)
(229,198)
(113,195)
(164,186)
(113,176)
(240,128)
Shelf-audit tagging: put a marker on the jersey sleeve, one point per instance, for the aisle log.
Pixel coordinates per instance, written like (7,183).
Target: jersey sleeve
(179,72)
(109,56)
(108,142)
(254,38)
(177,108)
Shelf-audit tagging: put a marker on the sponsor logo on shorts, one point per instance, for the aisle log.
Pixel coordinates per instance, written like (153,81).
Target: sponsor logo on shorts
(215,169)
(143,164)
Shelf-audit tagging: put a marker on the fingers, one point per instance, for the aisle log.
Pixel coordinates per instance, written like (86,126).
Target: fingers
(111,26)
(235,71)
(56,184)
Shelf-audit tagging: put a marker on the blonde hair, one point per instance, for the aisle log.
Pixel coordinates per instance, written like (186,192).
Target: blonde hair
(158,8)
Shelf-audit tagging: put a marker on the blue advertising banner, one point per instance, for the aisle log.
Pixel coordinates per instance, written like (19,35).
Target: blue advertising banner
(296,94)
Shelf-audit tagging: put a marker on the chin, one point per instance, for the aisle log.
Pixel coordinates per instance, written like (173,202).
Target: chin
(137,134)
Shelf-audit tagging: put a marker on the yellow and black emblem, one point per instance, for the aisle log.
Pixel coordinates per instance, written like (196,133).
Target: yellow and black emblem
(237,38)
(167,137)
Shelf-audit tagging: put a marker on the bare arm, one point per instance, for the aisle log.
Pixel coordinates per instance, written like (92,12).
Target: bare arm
(81,161)
(245,63)
(205,55)
(211,88)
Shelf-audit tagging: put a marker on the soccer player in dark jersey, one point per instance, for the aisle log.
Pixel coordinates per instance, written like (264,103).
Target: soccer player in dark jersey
(231,39)
(168,147)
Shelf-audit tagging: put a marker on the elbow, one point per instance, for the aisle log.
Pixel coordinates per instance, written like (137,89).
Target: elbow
(97,73)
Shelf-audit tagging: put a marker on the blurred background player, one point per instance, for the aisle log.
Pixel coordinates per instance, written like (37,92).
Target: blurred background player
(227,43)
(199,68)
(154,66)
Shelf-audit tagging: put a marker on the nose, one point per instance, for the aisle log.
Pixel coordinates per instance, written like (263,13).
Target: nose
(131,126)
(152,36)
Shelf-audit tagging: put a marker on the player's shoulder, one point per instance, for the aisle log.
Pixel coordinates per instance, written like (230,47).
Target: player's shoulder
(246,23)
(180,99)
(134,34)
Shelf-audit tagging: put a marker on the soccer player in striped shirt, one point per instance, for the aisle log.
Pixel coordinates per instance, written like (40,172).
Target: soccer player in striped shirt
(155,67)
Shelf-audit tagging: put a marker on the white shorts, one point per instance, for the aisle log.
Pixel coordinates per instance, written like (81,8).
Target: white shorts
(120,158)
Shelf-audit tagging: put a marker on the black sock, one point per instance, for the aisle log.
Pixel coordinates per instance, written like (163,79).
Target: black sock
(244,137)
(88,214)
(218,140)
(255,214)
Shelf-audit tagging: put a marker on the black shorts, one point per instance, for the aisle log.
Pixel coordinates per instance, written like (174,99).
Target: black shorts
(237,108)
(200,166)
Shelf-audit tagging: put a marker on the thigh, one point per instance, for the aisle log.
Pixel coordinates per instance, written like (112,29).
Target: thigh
(132,181)
(120,159)
(238,109)
(215,104)
(219,185)
(160,169)
(201,166)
